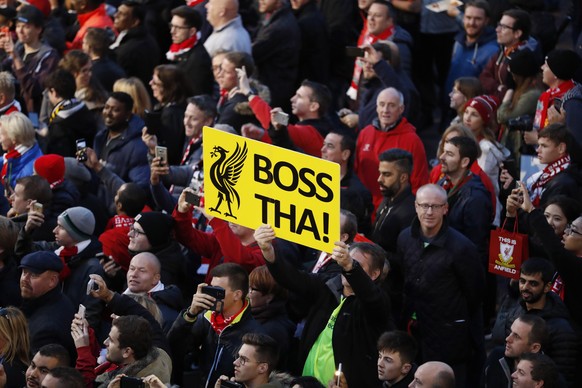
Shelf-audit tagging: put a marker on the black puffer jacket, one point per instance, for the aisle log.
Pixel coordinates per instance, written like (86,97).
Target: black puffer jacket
(563,341)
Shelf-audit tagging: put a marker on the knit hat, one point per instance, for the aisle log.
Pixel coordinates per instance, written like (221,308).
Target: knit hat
(157,227)
(563,63)
(79,222)
(51,167)
(524,63)
(41,261)
(485,105)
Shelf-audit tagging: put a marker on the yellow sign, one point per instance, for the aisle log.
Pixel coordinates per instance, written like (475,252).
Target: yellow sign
(250,183)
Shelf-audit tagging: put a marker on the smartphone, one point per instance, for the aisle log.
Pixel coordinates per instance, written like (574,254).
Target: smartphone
(281,118)
(230,384)
(37,207)
(81,311)
(162,153)
(217,292)
(33,116)
(354,52)
(153,122)
(557,104)
(91,286)
(81,150)
(131,382)
(192,199)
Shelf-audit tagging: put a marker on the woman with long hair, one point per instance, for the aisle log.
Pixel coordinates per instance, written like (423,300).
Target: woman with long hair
(521,100)
(14,346)
(89,90)
(464,88)
(479,117)
(170,89)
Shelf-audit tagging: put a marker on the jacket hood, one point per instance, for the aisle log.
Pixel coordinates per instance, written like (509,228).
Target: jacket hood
(487,36)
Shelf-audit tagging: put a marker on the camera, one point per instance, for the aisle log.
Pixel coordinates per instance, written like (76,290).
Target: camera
(522,123)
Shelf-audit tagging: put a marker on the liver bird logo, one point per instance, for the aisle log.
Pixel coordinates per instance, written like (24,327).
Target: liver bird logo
(224,174)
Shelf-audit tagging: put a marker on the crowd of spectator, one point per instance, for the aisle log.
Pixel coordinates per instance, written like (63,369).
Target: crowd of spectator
(111,277)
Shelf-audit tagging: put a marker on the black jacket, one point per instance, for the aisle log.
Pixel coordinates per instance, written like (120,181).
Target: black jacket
(216,352)
(563,344)
(314,55)
(138,54)
(443,286)
(498,370)
(9,283)
(276,53)
(569,265)
(197,66)
(470,213)
(175,268)
(361,320)
(172,133)
(74,121)
(236,112)
(170,303)
(107,72)
(81,266)
(393,217)
(49,320)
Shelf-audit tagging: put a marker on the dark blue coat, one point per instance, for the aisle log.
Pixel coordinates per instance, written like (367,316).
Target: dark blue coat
(128,160)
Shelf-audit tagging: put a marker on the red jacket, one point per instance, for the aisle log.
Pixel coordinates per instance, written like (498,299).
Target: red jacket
(372,142)
(220,246)
(97,18)
(306,137)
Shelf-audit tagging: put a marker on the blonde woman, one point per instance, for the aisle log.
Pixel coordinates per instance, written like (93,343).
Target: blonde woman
(14,346)
(138,92)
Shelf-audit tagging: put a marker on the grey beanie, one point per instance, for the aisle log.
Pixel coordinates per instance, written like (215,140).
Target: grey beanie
(79,222)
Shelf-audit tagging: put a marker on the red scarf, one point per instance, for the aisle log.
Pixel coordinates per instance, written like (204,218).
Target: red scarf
(453,189)
(546,99)
(365,37)
(219,323)
(223,98)
(65,255)
(177,49)
(537,182)
(11,154)
(194,3)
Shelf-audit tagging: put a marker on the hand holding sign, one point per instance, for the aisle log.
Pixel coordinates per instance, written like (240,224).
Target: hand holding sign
(264,235)
(341,254)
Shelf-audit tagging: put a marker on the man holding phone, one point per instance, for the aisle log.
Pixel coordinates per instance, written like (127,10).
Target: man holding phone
(212,333)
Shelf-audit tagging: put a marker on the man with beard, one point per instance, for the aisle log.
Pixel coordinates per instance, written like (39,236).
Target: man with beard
(536,298)
(396,211)
(119,155)
(47,358)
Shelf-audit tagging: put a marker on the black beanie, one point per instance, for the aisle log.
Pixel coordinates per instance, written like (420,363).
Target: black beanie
(157,227)
(524,63)
(563,63)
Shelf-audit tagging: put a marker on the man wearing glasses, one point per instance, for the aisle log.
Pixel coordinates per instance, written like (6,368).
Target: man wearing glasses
(512,35)
(257,357)
(443,285)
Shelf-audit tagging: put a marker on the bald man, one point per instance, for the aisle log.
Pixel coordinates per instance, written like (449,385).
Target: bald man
(443,285)
(433,374)
(229,33)
(143,278)
(390,129)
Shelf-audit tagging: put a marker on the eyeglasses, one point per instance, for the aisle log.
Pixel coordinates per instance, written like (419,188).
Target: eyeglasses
(172,26)
(426,206)
(243,360)
(569,231)
(505,27)
(133,230)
